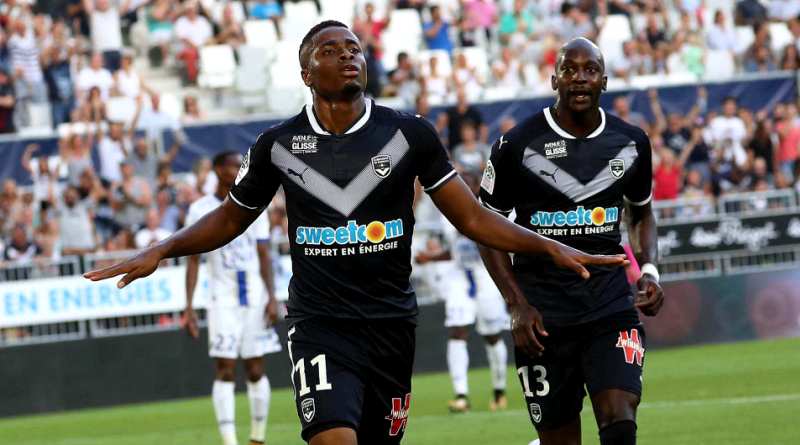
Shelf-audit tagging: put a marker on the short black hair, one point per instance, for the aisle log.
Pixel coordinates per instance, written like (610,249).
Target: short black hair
(303,52)
(219,158)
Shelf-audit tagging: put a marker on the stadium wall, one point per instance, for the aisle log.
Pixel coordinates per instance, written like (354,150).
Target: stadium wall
(758,93)
(145,367)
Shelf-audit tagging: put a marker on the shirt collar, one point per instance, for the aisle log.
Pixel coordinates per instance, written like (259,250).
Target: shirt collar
(564,134)
(319,129)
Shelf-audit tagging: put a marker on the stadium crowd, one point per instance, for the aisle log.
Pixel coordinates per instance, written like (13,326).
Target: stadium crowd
(75,60)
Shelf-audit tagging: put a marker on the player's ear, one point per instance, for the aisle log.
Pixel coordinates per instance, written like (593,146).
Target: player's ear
(605,83)
(306,75)
(553,82)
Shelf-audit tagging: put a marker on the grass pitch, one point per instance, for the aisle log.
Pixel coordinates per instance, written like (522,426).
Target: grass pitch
(743,393)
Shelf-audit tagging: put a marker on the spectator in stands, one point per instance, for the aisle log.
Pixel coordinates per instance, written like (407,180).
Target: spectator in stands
(154,122)
(191,110)
(44,180)
(470,154)
(113,147)
(750,12)
(10,206)
(465,76)
(433,83)
(478,16)
(788,129)
(667,172)
(193,31)
(423,109)
(127,82)
(184,197)
(56,61)
(29,84)
(627,64)
(230,30)
(47,240)
(267,10)
(74,150)
(574,23)
(7,102)
(622,109)
(507,70)
(152,232)
(454,117)
(145,161)
(19,246)
(169,214)
(202,178)
(370,30)
(759,60)
(130,198)
(790,58)
(720,36)
(95,75)
(726,134)
(76,222)
(106,32)
(437,31)
(92,109)
(511,22)
(403,79)
(763,143)
(783,10)
(160,17)
(506,124)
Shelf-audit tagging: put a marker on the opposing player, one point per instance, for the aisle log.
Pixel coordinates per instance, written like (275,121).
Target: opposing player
(347,167)
(241,307)
(567,172)
(471,298)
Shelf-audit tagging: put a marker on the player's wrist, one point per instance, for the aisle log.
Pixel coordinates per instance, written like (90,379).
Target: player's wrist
(652,270)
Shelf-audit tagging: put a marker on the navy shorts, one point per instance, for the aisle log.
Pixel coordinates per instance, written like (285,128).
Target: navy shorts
(354,374)
(603,354)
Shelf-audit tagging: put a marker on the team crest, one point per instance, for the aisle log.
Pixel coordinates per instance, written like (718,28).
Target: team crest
(244,168)
(382,165)
(399,415)
(617,167)
(536,412)
(489,175)
(307,406)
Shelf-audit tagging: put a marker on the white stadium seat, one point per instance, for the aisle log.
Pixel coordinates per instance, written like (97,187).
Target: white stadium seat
(445,66)
(405,22)
(120,108)
(615,31)
(298,19)
(780,36)
(341,10)
(476,56)
(260,33)
(744,38)
(218,8)
(719,65)
(217,66)
(171,105)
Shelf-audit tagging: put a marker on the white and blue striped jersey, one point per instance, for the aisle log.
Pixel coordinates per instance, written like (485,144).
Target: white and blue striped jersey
(234,272)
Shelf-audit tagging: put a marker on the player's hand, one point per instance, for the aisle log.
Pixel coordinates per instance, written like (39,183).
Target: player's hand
(650,297)
(140,265)
(271,311)
(574,259)
(190,322)
(526,325)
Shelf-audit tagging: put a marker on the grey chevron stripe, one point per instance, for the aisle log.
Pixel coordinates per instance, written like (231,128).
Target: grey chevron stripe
(343,200)
(565,183)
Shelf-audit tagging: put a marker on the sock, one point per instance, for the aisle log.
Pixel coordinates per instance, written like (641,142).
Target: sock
(259,394)
(619,433)
(225,409)
(497,354)
(457,364)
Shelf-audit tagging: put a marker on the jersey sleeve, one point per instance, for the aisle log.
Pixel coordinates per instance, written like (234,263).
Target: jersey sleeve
(258,179)
(433,165)
(639,190)
(498,178)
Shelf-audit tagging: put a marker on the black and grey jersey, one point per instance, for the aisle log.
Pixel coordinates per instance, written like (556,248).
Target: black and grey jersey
(571,190)
(349,203)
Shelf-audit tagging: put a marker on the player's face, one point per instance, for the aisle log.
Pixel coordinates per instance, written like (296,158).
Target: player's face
(337,66)
(579,79)
(227,172)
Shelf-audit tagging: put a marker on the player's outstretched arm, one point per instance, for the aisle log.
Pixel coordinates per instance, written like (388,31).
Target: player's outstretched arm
(215,229)
(459,205)
(650,297)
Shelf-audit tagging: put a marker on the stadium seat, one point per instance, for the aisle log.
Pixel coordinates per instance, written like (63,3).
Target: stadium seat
(615,31)
(120,108)
(251,76)
(285,100)
(341,10)
(719,65)
(217,66)
(499,93)
(617,84)
(171,105)
(218,8)
(298,18)
(780,36)
(285,72)
(744,38)
(40,120)
(260,33)
(424,57)
(476,56)
(405,22)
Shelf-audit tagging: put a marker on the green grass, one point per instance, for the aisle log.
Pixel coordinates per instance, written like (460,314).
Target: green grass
(743,393)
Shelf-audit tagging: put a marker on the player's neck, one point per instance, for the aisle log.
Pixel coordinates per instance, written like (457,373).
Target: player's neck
(578,124)
(221,193)
(338,115)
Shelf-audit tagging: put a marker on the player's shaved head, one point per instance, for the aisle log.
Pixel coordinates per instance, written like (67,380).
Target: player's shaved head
(220,158)
(308,41)
(580,44)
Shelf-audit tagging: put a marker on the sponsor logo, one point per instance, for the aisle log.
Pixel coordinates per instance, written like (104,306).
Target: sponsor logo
(555,150)
(487,181)
(617,167)
(399,415)
(597,216)
(291,172)
(244,168)
(304,144)
(382,165)
(631,346)
(307,407)
(501,142)
(536,412)
(549,174)
(352,233)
